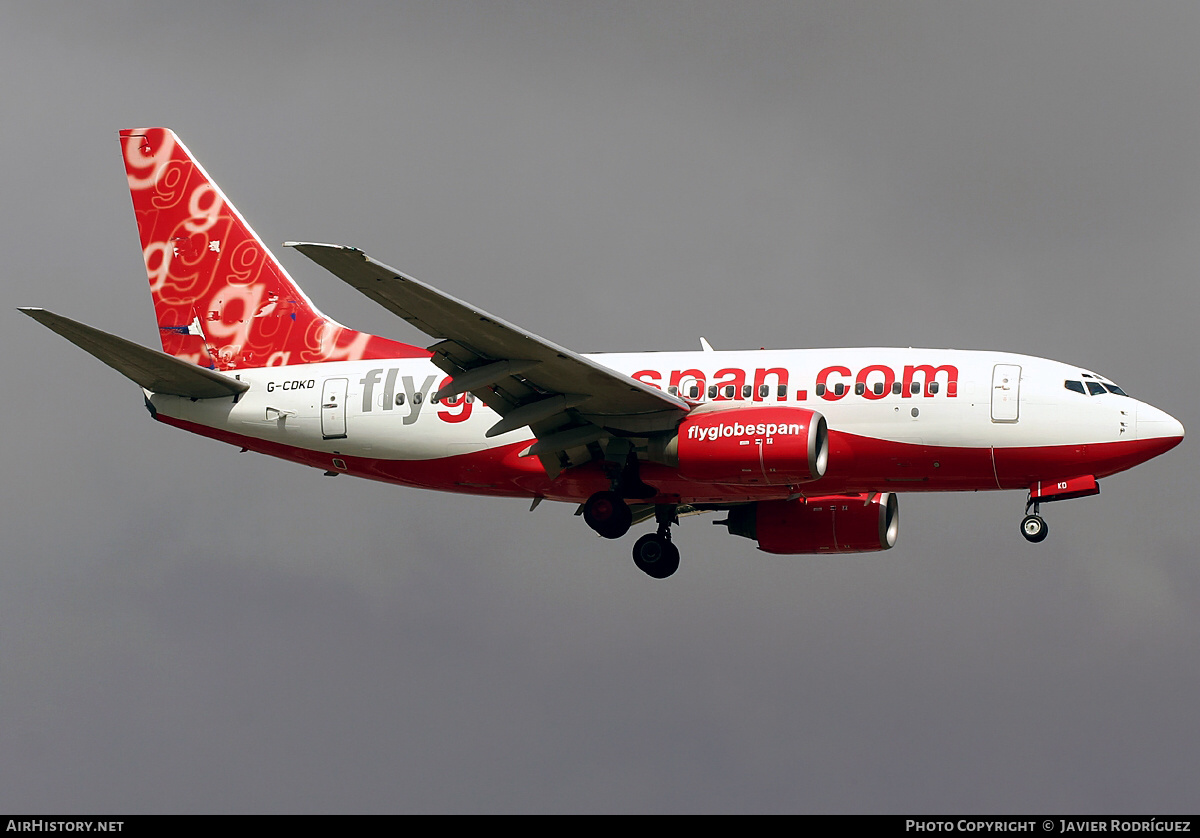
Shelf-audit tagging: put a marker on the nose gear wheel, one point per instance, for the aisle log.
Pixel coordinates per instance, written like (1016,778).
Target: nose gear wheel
(1034,528)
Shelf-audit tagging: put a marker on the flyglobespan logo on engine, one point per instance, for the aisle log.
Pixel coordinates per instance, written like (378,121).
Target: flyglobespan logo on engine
(730,429)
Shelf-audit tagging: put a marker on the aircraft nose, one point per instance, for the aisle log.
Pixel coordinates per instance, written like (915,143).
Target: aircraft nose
(1153,423)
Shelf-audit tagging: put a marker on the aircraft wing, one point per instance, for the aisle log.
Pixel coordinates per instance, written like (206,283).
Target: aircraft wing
(567,399)
(148,368)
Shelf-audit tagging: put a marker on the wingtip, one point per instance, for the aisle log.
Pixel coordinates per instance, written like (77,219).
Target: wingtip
(322,244)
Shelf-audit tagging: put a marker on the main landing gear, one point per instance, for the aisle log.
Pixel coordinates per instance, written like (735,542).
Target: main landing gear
(654,554)
(1033,527)
(610,516)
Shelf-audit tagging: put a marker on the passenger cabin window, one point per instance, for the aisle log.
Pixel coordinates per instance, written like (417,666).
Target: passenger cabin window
(820,389)
(1075,386)
(1094,388)
(897,388)
(878,388)
(673,390)
(747,391)
(933,387)
(860,388)
(915,388)
(839,389)
(712,391)
(694,393)
(782,391)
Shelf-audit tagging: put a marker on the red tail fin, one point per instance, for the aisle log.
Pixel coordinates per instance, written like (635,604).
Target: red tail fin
(221,298)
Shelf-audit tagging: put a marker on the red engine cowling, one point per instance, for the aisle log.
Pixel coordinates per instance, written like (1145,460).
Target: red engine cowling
(768,445)
(831,524)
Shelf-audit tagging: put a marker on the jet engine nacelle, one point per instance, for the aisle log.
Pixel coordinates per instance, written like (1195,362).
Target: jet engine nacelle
(769,445)
(831,524)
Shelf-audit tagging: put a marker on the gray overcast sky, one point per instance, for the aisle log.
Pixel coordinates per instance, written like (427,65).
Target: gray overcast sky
(184,628)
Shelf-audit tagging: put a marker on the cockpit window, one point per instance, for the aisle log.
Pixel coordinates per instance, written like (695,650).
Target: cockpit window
(1094,387)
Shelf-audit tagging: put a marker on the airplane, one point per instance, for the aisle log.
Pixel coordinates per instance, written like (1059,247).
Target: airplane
(803,450)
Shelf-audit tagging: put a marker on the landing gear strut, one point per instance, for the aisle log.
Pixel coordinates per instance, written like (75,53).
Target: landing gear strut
(1033,527)
(654,554)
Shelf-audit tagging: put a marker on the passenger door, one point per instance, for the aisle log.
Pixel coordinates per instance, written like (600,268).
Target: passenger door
(333,408)
(1006,393)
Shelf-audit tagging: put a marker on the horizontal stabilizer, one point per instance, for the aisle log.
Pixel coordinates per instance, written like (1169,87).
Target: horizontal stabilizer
(150,369)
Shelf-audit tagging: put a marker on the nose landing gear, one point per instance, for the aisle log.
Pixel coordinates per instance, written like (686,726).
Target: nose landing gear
(1033,527)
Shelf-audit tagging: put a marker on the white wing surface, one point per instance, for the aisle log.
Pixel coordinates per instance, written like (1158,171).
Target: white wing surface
(567,399)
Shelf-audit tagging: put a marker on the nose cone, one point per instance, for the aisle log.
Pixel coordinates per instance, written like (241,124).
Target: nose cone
(1153,423)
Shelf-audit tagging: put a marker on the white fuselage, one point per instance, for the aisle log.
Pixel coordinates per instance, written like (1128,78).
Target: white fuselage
(918,399)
